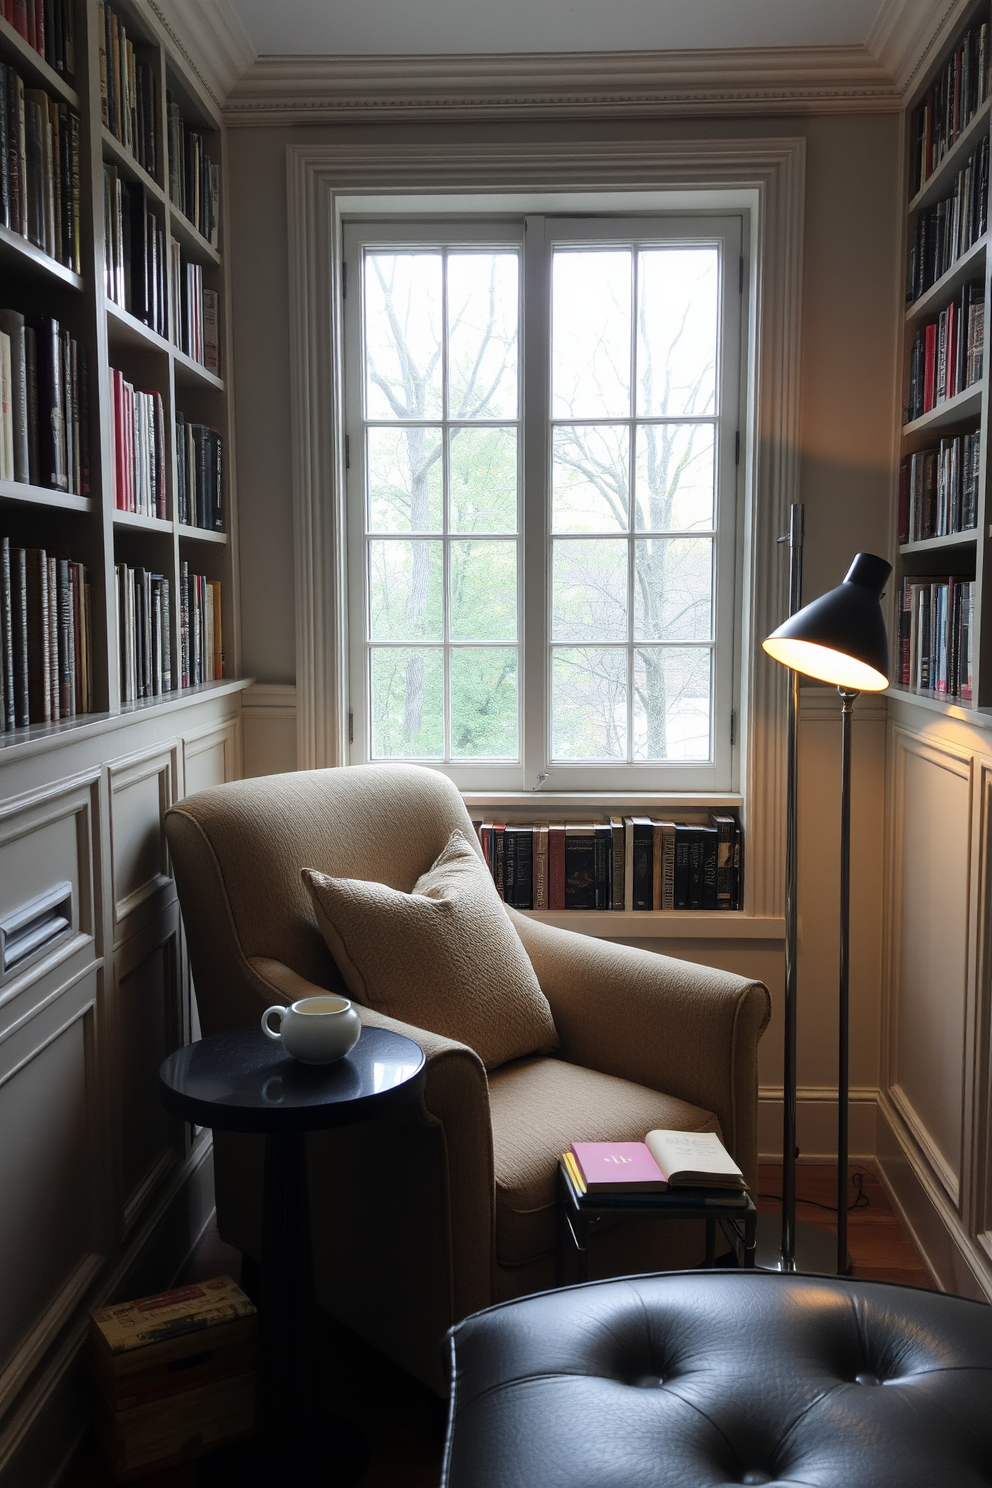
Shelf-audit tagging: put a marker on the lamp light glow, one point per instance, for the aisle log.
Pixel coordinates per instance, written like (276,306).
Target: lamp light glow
(840,637)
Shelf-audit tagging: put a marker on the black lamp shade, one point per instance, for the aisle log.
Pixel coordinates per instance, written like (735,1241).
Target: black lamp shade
(840,637)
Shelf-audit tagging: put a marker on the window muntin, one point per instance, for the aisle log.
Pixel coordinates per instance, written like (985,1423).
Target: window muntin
(624,542)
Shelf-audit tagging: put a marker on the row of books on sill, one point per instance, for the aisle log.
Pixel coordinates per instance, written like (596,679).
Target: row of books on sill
(39,169)
(938,489)
(137,273)
(953,99)
(48,27)
(44,405)
(138,433)
(944,233)
(144,617)
(936,630)
(45,644)
(128,105)
(626,863)
(947,354)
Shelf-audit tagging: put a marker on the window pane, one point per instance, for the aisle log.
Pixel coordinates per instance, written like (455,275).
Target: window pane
(405,591)
(589,589)
(407,703)
(405,480)
(590,477)
(403,335)
(482,335)
(483,480)
(675,477)
(590,346)
(673,589)
(483,577)
(672,703)
(589,703)
(677,299)
(484,703)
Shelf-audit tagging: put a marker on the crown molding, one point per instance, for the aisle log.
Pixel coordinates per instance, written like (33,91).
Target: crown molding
(907,34)
(768,80)
(210,37)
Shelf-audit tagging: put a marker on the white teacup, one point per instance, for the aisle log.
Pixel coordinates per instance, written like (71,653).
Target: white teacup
(316,1030)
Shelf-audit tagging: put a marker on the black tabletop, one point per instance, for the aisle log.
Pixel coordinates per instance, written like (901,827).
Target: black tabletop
(243,1081)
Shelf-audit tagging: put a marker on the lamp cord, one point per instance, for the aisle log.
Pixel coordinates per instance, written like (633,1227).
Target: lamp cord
(861,1199)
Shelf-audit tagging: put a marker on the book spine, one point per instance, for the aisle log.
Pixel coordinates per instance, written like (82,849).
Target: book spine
(619,863)
(642,865)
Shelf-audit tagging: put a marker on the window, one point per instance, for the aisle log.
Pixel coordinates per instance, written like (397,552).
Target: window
(542,421)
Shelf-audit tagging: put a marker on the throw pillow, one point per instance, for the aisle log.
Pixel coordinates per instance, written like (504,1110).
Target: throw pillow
(445,958)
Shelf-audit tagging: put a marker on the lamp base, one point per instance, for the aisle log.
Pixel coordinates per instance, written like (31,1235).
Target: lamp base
(816,1249)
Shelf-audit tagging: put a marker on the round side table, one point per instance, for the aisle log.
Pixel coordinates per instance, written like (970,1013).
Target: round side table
(242,1081)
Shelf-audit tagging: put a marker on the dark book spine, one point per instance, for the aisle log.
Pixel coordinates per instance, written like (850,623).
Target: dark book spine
(683,836)
(643,867)
(524,896)
(696,842)
(65,642)
(710,845)
(580,870)
(39,676)
(724,859)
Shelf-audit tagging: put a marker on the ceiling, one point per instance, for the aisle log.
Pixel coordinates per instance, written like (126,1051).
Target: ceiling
(387,27)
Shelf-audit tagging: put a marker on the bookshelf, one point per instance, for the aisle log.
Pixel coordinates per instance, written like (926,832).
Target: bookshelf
(91,528)
(943,545)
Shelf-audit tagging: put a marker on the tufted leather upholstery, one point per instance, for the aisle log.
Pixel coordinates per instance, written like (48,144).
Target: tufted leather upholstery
(701,1381)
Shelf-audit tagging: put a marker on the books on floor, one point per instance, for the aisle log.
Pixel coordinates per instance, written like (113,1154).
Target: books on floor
(626,863)
(665,1159)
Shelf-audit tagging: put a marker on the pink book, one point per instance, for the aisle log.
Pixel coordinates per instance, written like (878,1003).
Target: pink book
(618,1167)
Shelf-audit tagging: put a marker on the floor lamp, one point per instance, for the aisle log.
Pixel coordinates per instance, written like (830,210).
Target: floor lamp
(839,639)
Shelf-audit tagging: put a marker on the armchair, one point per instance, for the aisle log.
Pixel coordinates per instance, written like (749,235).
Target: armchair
(423,1220)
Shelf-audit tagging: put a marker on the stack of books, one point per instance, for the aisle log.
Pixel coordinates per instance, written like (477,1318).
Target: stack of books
(134,251)
(44,410)
(193,177)
(49,26)
(936,636)
(173,1376)
(39,169)
(665,1160)
(137,427)
(199,475)
(944,233)
(127,90)
(626,863)
(947,354)
(45,637)
(938,489)
(955,96)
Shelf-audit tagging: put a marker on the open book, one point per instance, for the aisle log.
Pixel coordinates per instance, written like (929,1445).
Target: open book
(665,1159)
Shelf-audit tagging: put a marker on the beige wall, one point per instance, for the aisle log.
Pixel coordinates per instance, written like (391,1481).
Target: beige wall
(851,309)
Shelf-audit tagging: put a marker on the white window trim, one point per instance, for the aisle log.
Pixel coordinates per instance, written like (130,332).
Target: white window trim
(769,176)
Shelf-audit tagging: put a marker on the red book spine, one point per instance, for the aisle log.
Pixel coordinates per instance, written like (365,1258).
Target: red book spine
(19,18)
(930,368)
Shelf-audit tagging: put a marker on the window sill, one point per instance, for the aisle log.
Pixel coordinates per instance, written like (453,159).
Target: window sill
(698,924)
(603,803)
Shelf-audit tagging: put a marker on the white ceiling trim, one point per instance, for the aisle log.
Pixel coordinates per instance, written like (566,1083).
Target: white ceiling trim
(907,34)
(780,80)
(210,36)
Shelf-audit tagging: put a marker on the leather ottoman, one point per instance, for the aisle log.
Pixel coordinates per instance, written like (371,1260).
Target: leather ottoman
(692,1381)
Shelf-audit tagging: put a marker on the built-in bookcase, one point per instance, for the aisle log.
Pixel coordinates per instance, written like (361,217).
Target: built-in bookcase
(944,531)
(92,528)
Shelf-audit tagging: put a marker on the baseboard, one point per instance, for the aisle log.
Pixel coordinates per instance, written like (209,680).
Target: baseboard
(953,1259)
(816,1123)
(43,1431)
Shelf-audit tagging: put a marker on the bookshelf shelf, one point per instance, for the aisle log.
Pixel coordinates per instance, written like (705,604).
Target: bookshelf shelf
(18,252)
(143,573)
(199,534)
(940,181)
(41,496)
(967,404)
(970,265)
(941,607)
(125,161)
(658,924)
(184,231)
(27,61)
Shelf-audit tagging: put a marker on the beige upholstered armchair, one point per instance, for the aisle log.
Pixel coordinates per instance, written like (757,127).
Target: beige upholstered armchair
(422,1220)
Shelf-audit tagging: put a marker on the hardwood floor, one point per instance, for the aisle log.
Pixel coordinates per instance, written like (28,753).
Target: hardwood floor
(404,1422)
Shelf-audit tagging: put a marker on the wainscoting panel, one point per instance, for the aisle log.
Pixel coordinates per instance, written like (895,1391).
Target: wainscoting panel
(211,756)
(932,789)
(141,790)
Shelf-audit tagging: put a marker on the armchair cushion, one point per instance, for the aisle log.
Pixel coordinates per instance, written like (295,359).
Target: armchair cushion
(539,1106)
(444,957)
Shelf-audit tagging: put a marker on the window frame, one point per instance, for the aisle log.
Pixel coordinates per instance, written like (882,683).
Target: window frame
(537,234)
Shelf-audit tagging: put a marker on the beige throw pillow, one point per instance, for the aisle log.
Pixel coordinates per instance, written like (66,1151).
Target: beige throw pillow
(445,958)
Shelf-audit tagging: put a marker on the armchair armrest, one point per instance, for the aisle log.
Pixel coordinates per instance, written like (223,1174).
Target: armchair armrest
(687,1030)
(455,1101)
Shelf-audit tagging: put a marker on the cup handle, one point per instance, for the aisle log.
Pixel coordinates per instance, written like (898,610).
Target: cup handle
(280,1012)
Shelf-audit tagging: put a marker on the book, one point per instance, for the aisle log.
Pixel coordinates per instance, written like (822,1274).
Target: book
(617,1167)
(580,866)
(693,1160)
(131,1337)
